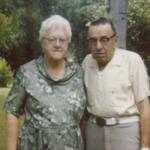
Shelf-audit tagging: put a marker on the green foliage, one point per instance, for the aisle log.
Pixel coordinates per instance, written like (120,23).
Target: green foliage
(139,27)
(22,25)
(6,74)
(8,33)
(91,12)
(21,22)
(85,13)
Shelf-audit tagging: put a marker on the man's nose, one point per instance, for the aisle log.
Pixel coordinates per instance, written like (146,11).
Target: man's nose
(99,44)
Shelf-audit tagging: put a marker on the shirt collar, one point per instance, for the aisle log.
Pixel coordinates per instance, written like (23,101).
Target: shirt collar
(115,61)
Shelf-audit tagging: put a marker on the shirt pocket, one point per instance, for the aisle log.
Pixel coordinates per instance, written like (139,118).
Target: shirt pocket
(120,94)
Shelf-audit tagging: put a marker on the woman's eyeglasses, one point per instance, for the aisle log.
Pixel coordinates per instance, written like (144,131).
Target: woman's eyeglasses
(52,40)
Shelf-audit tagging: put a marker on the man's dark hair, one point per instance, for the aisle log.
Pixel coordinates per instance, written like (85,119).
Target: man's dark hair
(102,21)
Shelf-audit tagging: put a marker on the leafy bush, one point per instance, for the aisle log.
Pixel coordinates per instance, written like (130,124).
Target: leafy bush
(139,28)
(9,34)
(20,21)
(139,24)
(6,74)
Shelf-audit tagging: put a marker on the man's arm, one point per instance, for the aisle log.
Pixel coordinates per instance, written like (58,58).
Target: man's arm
(144,109)
(83,125)
(12,125)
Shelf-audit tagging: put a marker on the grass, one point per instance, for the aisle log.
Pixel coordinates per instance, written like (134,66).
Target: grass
(3,95)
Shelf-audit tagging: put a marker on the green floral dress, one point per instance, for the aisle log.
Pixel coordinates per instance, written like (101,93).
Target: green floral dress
(52,107)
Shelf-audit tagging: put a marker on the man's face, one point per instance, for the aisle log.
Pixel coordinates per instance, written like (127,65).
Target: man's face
(102,43)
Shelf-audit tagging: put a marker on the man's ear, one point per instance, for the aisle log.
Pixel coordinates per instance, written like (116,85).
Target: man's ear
(116,40)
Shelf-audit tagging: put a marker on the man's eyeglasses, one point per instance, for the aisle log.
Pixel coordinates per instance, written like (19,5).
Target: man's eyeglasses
(52,40)
(104,39)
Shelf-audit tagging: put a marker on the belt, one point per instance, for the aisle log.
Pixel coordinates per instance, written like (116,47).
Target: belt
(113,120)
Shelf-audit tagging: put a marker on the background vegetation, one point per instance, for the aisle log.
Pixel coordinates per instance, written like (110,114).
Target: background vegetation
(6,74)
(20,22)
(138,33)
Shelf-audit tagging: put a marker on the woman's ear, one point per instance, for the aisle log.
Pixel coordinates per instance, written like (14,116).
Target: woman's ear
(42,44)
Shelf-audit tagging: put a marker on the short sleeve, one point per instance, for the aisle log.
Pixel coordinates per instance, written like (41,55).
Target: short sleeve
(16,98)
(140,79)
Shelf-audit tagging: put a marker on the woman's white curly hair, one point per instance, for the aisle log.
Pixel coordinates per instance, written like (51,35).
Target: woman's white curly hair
(56,21)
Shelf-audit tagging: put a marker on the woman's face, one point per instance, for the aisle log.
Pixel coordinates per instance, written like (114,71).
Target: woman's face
(55,44)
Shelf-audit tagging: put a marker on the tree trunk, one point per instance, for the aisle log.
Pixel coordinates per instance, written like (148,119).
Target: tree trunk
(117,11)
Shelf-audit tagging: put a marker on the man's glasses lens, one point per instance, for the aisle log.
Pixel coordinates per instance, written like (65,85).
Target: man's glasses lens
(103,39)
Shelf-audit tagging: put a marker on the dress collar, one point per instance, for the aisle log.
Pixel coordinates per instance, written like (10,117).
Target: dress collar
(70,70)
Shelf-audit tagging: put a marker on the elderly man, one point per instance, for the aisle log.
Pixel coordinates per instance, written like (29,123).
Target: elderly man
(118,93)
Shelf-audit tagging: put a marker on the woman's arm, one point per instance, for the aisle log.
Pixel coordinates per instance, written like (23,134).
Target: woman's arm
(12,125)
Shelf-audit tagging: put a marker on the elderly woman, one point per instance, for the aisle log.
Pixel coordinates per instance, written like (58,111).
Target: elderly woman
(49,91)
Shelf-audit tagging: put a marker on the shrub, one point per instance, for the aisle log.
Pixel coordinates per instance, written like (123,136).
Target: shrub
(6,74)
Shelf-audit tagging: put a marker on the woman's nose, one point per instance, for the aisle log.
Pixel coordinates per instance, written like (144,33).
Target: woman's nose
(57,43)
